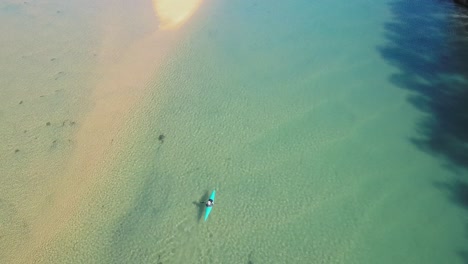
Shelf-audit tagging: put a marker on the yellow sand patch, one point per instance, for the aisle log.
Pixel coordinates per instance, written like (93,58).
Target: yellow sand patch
(174,13)
(125,69)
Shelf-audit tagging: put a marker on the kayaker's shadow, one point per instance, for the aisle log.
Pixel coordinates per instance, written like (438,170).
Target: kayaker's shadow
(201,204)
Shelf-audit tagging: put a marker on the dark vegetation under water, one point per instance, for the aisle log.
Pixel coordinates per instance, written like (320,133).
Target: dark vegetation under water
(54,144)
(430,51)
(462,2)
(161,138)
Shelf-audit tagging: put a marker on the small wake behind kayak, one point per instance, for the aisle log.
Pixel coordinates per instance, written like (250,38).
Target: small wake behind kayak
(208,208)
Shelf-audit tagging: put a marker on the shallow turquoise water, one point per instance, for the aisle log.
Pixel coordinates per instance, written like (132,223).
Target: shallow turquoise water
(291,111)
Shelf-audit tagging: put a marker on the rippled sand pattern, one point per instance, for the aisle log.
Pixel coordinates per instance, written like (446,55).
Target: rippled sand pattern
(67,125)
(119,119)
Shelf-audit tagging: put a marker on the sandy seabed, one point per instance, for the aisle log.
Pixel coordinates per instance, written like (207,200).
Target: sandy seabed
(125,63)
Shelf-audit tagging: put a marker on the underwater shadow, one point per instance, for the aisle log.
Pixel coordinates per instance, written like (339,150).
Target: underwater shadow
(431,55)
(427,43)
(201,205)
(457,192)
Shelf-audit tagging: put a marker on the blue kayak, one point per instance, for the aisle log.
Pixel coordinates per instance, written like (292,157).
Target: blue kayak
(208,208)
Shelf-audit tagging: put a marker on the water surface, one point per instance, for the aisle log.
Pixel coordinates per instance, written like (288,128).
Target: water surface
(317,124)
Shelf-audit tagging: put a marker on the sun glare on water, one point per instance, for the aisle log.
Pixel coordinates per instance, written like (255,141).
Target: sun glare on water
(174,13)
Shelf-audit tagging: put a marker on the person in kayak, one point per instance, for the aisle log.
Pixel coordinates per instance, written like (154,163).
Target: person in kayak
(209,203)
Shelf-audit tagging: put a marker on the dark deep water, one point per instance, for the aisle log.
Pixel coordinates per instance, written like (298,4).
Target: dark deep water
(428,43)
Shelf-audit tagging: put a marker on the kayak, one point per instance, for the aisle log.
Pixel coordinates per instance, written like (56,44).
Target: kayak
(208,208)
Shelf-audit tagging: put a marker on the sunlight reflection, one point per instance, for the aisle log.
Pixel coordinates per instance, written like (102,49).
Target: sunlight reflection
(174,13)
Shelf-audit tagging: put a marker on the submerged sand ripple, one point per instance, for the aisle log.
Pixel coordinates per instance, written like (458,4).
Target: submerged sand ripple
(125,74)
